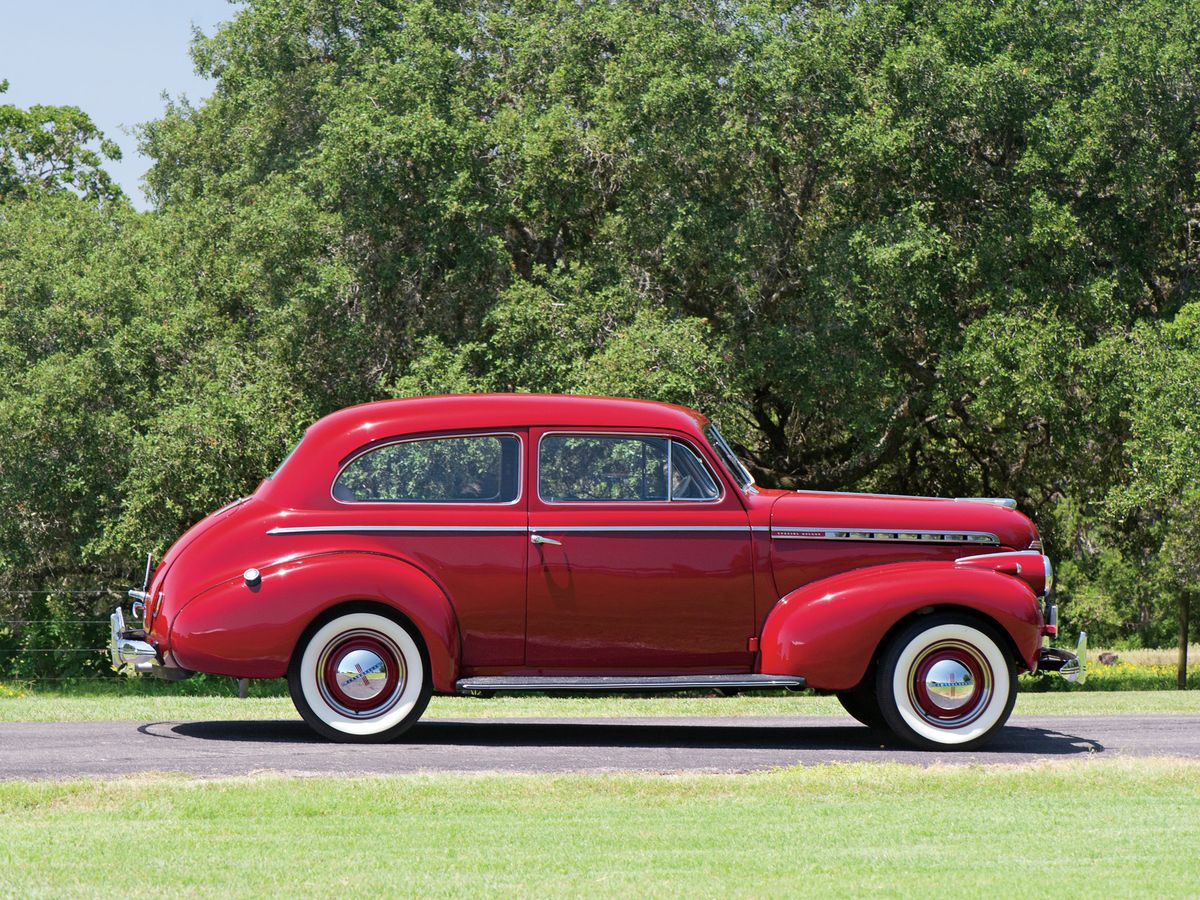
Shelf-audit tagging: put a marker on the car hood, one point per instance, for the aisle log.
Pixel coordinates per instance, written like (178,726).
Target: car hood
(925,518)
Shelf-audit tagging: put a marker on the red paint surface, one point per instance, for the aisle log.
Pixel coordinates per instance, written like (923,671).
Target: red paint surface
(632,601)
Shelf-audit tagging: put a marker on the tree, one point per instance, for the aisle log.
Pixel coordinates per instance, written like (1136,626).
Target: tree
(1163,484)
(47,148)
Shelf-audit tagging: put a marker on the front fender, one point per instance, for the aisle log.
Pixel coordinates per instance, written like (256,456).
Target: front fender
(251,632)
(830,630)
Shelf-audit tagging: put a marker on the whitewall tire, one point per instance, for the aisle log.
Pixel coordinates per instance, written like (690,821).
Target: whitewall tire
(360,676)
(946,682)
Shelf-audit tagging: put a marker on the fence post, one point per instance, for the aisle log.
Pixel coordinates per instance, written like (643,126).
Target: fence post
(1185,601)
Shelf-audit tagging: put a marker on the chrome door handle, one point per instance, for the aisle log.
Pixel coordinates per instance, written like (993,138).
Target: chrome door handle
(539,539)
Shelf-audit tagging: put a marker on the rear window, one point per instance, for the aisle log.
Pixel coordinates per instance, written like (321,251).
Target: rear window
(459,469)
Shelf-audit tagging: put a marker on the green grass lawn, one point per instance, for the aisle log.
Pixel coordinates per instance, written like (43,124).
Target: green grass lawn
(1108,828)
(24,705)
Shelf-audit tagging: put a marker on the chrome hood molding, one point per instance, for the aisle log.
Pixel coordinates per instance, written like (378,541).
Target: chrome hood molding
(919,520)
(1005,502)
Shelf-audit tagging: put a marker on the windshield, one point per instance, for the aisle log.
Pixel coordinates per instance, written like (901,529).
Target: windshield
(738,472)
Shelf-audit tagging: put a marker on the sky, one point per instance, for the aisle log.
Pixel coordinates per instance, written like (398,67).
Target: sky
(111,58)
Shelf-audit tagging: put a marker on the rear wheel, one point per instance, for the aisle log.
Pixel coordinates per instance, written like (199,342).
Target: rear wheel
(862,703)
(360,676)
(946,682)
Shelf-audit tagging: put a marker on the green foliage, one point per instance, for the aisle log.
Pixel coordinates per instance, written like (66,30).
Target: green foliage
(46,148)
(938,248)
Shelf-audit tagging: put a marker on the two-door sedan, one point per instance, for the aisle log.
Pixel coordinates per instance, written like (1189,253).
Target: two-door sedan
(483,543)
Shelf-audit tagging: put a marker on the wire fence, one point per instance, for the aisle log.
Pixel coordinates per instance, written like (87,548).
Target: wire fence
(77,660)
(61,622)
(35,591)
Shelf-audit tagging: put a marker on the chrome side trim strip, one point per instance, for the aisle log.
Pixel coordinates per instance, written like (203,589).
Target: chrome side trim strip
(743,529)
(801,533)
(396,529)
(499,529)
(824,533)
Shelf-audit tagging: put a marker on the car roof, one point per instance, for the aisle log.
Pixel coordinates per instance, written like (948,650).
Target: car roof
(330,440)
(444,412)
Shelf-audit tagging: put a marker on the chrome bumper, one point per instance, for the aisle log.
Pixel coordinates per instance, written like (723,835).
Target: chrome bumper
(1070,665)
(129,651)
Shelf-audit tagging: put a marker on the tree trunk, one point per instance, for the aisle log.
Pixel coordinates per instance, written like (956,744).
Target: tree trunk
(1185,598)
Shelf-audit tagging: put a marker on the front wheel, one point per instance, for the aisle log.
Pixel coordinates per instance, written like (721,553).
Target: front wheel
(946,682)
(360,677)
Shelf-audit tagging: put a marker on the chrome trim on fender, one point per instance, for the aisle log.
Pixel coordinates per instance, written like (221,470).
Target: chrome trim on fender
(1026,553)
(1047,568)
(920,536)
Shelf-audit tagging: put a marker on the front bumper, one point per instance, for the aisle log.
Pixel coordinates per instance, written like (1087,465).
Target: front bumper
(1070,665)
(128,649)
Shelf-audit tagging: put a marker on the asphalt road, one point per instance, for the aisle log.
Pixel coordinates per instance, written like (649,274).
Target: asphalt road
(219,749)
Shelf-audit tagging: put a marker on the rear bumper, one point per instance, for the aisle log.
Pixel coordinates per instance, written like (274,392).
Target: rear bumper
(1070,665)
(129,650)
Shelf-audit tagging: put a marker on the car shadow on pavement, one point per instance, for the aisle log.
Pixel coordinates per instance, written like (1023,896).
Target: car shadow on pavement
(1012,740)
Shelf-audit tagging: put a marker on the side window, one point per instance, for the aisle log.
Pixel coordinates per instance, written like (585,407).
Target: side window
(690,478)
(596,467)
(467,469)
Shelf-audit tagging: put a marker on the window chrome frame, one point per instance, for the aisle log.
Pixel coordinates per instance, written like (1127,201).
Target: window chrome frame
(654,504)
(718,443)
(491,504)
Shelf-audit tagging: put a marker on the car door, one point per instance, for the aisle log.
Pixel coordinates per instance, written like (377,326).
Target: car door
(639,556)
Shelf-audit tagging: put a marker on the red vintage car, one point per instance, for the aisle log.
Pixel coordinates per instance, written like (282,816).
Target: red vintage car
(484,543)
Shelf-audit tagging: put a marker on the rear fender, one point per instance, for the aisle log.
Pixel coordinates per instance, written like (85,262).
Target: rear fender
(830,631)
(251,631)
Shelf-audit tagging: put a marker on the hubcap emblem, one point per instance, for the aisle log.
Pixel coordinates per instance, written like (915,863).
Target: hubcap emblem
(362,674)
(949,684)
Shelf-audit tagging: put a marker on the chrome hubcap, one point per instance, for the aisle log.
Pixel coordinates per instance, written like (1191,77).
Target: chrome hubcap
(362,674)
(950,684)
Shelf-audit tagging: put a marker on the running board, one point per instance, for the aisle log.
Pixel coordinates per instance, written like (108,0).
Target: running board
(625,682)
